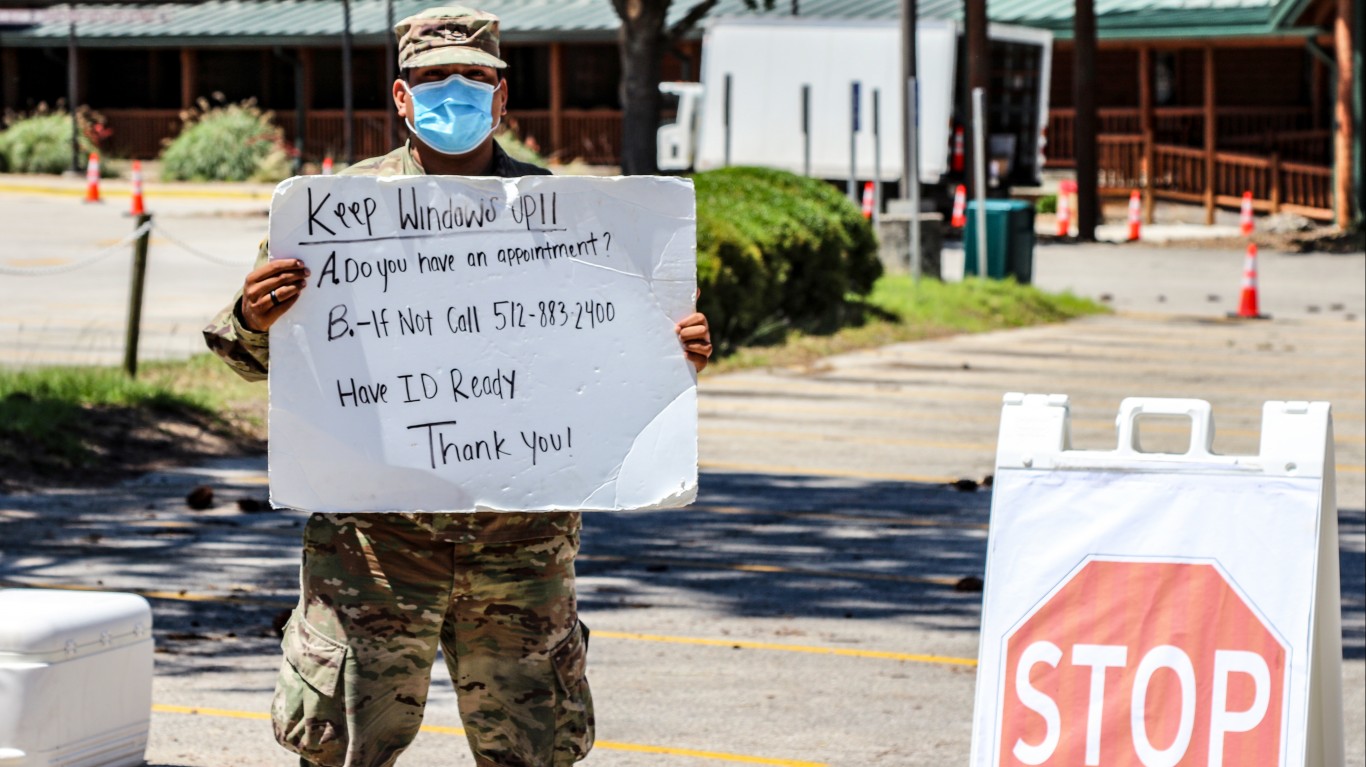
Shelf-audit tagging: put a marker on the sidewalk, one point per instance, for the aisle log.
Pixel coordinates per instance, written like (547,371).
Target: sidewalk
(803,612)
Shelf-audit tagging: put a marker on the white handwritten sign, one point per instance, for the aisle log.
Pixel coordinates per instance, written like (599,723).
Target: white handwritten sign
(484,344)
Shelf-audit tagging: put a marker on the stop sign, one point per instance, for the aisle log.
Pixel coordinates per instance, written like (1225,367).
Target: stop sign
(1147,663)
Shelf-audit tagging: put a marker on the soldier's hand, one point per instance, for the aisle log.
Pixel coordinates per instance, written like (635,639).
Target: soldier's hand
(269,292)
(695,334)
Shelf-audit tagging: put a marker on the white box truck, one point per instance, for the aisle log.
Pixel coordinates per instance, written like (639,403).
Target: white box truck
(768,62)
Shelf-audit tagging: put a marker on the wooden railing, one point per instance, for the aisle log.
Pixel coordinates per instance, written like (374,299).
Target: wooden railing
(1235,173)
(1062,130)
(592,135)
(324,134)
(1120,160)
(139,133)
(1301,146)
(1185,126)
(1180,173)
(1179,126)
(1306,189)
(1240,121)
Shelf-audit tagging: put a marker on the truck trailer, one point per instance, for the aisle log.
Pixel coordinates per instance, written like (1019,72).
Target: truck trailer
(759,74)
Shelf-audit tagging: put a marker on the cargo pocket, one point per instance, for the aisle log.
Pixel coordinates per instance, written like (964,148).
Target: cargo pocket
(574,712)
(309,709)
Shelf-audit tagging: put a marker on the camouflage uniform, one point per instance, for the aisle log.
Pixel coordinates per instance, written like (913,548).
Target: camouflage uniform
(380,593)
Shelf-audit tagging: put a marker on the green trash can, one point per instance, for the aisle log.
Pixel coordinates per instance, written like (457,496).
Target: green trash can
(1010,241)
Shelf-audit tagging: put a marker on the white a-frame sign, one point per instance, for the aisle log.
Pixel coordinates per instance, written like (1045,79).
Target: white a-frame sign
(1161,609)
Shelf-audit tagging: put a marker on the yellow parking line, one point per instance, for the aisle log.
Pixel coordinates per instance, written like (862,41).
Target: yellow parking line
(152,192)
(812,649)
(31,263)
(747,567)
(612,745)
(607,745)
(836,517)
(802,436)
(824,471)
(221,713)
(173,596)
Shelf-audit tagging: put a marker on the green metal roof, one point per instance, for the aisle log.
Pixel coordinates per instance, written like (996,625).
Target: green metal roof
(319,22)
(1133,19)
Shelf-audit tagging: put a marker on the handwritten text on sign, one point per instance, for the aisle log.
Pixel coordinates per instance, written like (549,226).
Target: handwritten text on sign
(470,344)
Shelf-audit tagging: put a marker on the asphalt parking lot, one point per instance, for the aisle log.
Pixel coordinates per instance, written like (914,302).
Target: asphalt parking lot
(814,607)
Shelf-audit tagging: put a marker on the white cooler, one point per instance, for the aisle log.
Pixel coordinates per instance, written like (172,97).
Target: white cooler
(75,678)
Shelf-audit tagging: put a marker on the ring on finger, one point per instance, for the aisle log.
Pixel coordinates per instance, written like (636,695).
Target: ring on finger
(274,300)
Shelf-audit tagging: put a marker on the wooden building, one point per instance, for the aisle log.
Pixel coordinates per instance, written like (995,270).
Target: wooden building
(1200,100)
(141,69)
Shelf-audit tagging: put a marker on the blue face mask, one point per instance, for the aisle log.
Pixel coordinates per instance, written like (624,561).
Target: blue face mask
(452,116)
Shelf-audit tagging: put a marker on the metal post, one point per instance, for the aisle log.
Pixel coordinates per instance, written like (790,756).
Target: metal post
(725,116)
(911,179)
(348,106)
(979,169)
(300,114)
(908,74)
(975,26)
(853,142)
(877,160)
(806,130)
(130,344)
(71,80)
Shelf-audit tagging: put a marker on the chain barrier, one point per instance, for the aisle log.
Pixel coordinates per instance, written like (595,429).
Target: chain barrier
(63,268)
(125,242)
(238,264)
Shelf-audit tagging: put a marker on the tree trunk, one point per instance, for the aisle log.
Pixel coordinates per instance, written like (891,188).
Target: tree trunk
(1084,100)
(642,47)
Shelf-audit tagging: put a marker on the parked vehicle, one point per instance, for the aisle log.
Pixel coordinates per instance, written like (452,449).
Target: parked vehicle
(754,72)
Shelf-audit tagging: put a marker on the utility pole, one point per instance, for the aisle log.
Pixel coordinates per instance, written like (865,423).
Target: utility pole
(908,72)
(979,69)
(1083,98)
(348,106)
(72,80)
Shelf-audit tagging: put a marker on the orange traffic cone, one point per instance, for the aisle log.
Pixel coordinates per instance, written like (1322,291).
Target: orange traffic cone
(1245,219)
(1247,308)
(92,178)
(868,200)
(137,209)
(327,165)
(960,207)
(1135,215)
(1064,209)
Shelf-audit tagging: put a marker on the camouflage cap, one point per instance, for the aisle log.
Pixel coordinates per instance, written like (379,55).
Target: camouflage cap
(450,34)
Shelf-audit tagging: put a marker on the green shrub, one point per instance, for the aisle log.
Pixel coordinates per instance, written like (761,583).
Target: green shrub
(41,142)
(1047,204)
(228,142)
(777,250)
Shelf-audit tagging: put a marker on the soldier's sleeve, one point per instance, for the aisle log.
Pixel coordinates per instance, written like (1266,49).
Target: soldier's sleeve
(245,351)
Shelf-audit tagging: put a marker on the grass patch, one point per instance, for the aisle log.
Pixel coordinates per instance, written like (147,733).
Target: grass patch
(91,424)
(899,310)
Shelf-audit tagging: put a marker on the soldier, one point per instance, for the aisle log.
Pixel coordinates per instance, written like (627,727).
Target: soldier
(381,592)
